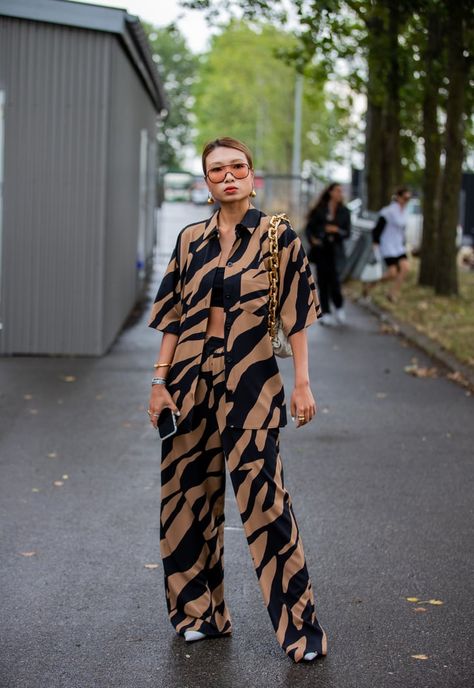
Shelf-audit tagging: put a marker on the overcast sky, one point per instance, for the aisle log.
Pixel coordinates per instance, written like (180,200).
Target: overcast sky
(161,13)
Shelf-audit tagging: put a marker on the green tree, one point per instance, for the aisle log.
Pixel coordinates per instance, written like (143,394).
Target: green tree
(245,90)
(177,67)
(416,59)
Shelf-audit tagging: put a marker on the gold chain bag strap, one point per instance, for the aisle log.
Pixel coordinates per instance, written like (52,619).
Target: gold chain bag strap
(280,343)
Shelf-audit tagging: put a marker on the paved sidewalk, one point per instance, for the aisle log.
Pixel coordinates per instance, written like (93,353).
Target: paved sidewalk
(381,483)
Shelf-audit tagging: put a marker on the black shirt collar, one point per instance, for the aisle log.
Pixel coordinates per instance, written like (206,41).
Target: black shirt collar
(248,223)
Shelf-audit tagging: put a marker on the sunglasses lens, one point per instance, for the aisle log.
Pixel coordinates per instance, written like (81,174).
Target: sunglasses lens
(239,170)
(216,175)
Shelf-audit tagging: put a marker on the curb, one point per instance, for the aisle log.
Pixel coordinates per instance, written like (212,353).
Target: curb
(425,343)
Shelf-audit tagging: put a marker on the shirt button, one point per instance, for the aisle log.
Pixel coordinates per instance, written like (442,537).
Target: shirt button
(227,296)
(229,264)
(229,359)
(228,326)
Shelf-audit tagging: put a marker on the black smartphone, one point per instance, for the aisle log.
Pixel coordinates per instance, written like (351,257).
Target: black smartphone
(166,423)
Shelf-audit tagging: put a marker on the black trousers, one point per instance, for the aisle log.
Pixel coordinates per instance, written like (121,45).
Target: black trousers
(327,274)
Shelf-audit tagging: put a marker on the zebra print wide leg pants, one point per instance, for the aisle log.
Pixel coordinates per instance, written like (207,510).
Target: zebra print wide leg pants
(192,521)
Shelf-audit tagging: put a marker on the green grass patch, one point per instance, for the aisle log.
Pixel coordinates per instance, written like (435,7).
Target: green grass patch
(449,320)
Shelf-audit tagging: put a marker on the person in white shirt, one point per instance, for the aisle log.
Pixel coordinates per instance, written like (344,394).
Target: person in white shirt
(389,235)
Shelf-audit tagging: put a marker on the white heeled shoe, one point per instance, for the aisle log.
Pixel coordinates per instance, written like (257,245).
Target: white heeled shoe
(309,656)
(191,636)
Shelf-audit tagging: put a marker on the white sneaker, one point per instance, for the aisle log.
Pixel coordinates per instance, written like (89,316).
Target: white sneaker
(341,316)
(326,319)
(190,636)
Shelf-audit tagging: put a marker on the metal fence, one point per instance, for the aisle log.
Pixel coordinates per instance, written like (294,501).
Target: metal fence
(288,194)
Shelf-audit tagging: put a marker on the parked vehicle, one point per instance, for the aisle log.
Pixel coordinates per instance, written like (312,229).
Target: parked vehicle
(178,186)
(199,191)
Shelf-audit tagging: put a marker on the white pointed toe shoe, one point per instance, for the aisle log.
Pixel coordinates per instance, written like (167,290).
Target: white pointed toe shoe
(191,636)
(309,656)
(326,319)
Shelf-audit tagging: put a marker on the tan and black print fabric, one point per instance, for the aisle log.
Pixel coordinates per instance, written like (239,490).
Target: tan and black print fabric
(254,395)
(193,475)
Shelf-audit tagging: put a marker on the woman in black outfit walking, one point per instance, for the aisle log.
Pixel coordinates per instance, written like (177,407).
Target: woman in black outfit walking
(329,223)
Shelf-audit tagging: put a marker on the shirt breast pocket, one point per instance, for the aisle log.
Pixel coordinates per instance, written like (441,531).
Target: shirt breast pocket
(254,290)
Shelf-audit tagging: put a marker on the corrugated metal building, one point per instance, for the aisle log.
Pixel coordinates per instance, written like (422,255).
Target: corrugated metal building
(79,97)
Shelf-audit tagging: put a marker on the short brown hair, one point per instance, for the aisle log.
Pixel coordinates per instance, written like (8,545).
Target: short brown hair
(226,142)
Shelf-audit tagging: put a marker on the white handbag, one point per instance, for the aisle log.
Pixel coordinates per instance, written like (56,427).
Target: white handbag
(373,269)
(280,343)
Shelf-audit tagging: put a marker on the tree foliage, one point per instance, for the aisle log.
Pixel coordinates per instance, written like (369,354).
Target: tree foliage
(245,90)
(177,67)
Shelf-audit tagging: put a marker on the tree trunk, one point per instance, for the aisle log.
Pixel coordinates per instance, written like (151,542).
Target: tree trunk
(382,163)
(432,145)
(390,170)
(373,156)
(446,280)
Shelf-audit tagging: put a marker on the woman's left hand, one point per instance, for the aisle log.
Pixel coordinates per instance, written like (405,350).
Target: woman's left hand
(302,405)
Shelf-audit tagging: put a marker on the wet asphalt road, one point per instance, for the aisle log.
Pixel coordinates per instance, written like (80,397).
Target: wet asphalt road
(381,483)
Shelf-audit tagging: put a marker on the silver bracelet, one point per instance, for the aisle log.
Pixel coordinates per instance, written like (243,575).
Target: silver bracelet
(158,381)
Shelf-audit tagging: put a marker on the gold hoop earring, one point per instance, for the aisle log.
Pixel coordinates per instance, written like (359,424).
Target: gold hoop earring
(210,200)
(253,193)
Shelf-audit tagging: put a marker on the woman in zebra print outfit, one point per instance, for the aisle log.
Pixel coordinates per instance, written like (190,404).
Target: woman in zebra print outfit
(218,370)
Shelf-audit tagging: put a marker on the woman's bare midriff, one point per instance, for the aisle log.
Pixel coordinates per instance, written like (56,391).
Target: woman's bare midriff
(215,322)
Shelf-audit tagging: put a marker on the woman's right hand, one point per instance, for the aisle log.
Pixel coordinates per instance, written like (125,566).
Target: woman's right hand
(160,398)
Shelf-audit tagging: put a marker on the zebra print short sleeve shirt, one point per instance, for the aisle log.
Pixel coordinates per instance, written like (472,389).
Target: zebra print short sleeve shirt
(254,387)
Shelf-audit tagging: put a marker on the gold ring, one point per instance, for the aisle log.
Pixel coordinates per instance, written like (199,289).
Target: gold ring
(301,417)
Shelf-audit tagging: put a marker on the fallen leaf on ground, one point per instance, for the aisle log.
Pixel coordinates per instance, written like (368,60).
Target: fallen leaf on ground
(58,483)
(417,371)
(385,328)
(151,566)
(412,599)
(27,554)
(419,609)
(52,455)
(68,378)
(420,656)
(35,489)
(458,377)
(65,477)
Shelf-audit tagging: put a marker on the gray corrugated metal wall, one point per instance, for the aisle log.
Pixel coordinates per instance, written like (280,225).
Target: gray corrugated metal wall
(129,111)
(70,207)
(54,89)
